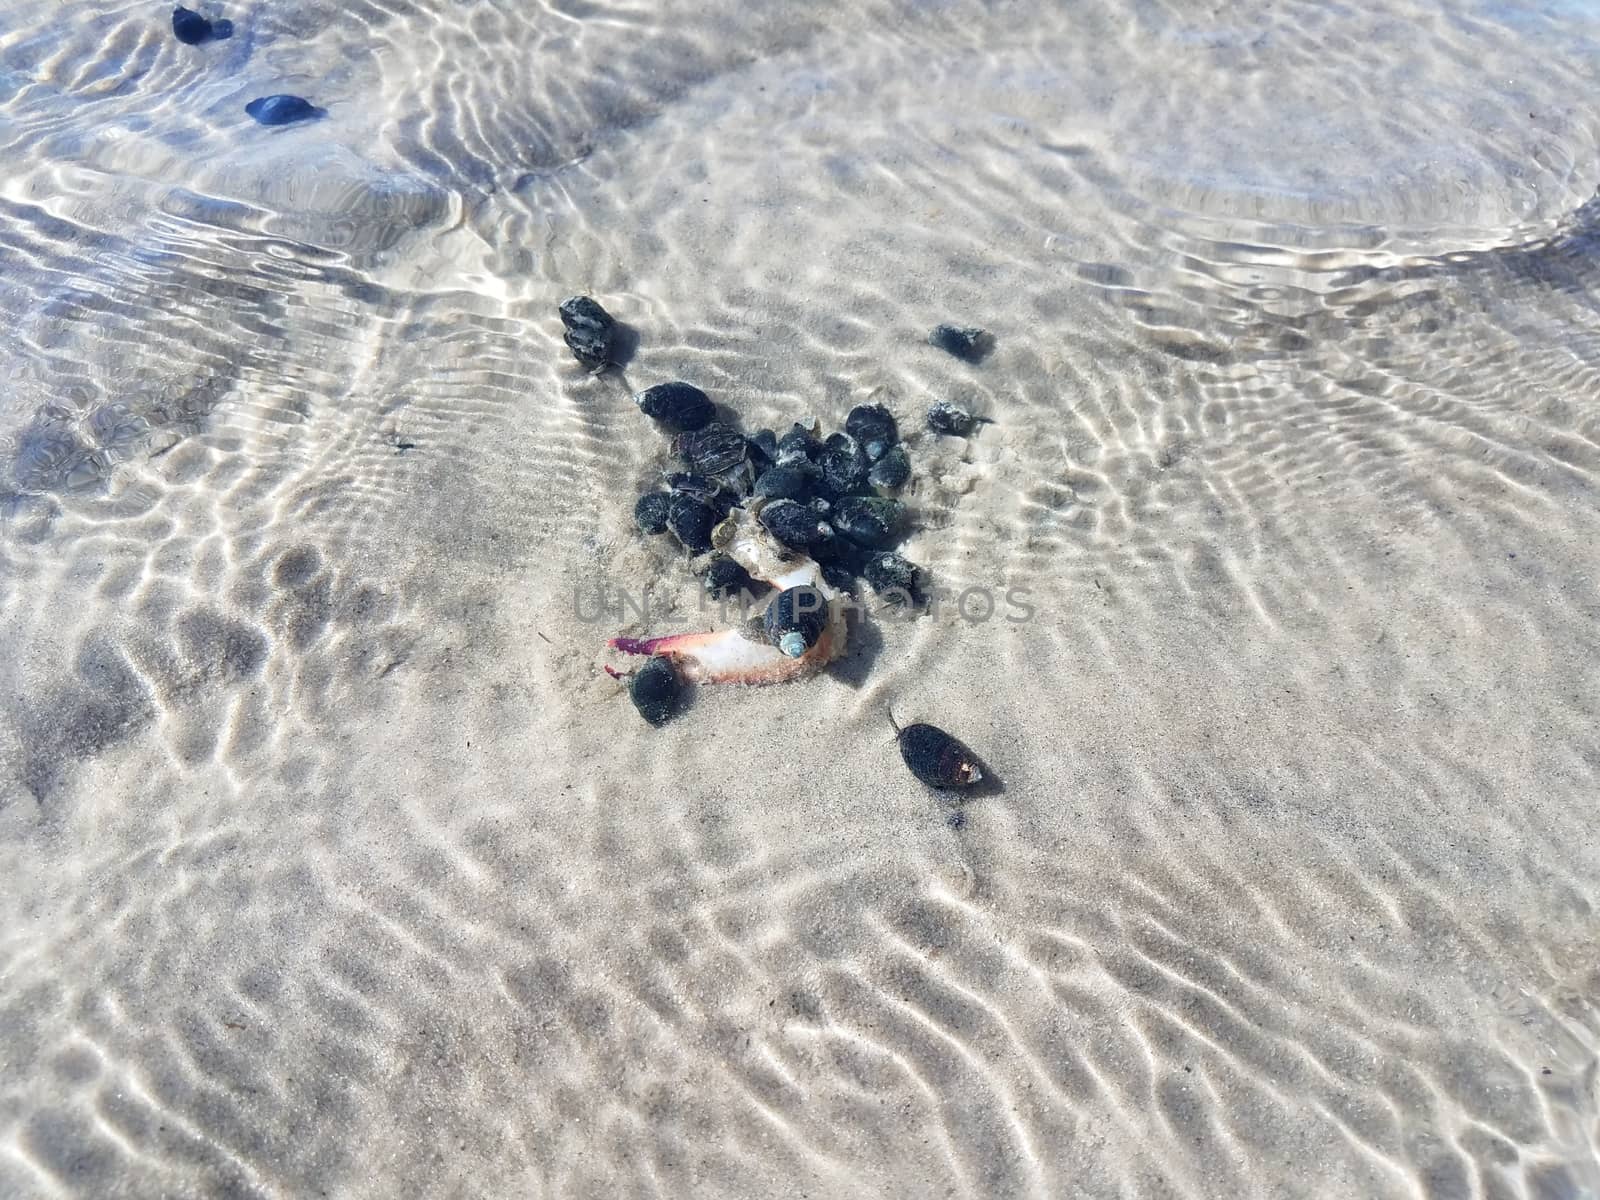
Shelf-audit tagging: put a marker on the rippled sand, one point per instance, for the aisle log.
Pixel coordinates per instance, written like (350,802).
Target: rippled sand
(335,865)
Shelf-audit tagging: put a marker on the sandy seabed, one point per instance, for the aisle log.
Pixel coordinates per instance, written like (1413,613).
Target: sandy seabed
(336,865)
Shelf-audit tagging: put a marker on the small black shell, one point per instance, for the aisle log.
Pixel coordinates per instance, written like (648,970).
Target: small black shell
(680,407)
(725,577)
(873,426)
(784,483)
(714,450)
(844,465)
(938,759)
(798,443)
(795,619)
(889,473)
(871,521)
(650,512)
(283,110)
(839,576)
(691,520)
(944,417)
(654,691)
(191,28)
(966,342)
(892,577)
(763,448)
(795,525)
(589,330)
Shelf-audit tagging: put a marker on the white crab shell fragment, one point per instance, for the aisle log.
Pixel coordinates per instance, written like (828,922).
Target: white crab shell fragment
(731,655)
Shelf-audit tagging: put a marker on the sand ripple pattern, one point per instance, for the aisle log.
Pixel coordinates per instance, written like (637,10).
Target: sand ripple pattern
(336,865)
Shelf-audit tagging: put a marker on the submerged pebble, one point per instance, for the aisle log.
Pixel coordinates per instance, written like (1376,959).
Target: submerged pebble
(945,417)
(938,759)
(283,110)
(873,426)
(691,520)
(889,473)
(654,691)
(589,330)
(870,521)
(680,407)
(650,512)
(795,619)
(968,343)
(190,28)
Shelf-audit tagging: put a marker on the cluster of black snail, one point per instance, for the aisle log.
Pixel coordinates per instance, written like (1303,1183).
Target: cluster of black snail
(831,497)
(196,29)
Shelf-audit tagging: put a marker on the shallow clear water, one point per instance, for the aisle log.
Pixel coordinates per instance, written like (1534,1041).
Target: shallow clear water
(334,862)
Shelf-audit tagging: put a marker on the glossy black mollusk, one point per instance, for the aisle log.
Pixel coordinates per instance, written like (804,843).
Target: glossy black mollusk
(713,450)
(680,407)
(784,483)
(190,28)
(938,759)
(844,466)
(589,330)
(654,691)
(871,521)
(650,512)
(944,417)
(794,524)
(795,619)
(892,577)
(725,578)
(873,426)
(799,443)
(691,520)
(283,110)
(889,473)
(967,343)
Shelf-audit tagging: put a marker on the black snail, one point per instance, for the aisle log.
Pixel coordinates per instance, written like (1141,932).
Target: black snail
(936,758)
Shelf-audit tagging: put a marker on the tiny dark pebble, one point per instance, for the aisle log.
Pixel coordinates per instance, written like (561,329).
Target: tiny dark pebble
(589,329)
(944,417)
(680,407)
(795,525)
(892,577)
(873,426)
(283,110)
(650,512)
(691,520)
(714,450)
(844,466)
(192,29)
(967,343)
(938,759)
(871,521)
(654,691)
(889,473)
(783,483)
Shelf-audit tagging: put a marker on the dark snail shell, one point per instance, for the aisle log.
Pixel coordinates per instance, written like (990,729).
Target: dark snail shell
(799,443)
(938,759)
(589,330)
(783,483)
(763,448)
(714,450)
(283,110)
(892,577)
(844,465)
(967,343)
(726,578)
(873,426)
(654,690)
(795,619)
(680,407)
(691,520)
(192,29)
(650,512)
(889,473)
(871,521)
(795,525)
(944,417)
